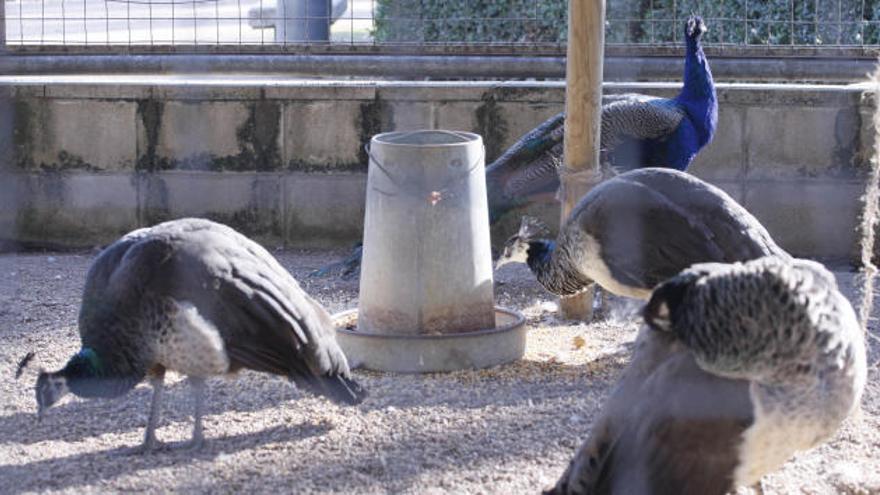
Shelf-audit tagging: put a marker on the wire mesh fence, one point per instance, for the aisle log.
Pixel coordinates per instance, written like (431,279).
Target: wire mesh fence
(426,22)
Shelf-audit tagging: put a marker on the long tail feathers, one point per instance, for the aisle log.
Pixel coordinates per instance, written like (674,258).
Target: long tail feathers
(337,388)
(348,268)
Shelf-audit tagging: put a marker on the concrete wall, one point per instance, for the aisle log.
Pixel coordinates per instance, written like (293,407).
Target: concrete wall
(283,160)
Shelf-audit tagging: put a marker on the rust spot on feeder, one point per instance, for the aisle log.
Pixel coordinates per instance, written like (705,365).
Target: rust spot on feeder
(435,197)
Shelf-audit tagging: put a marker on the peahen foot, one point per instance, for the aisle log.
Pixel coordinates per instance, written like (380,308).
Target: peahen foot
(192,445)
(346,269)
(148,446)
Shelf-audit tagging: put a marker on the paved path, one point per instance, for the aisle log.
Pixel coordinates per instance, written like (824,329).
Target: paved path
(157,22)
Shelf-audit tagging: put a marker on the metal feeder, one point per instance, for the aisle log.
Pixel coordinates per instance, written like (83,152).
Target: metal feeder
(426,291)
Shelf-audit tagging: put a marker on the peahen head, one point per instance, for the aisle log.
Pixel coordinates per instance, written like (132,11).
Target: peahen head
(694,29)
(516,248)
(661,311)
(81,369)
(50,388)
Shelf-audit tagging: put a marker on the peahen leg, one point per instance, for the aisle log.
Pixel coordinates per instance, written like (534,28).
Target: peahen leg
(150,442)
(346,269)
(758,487)
(601,303)
(198,386)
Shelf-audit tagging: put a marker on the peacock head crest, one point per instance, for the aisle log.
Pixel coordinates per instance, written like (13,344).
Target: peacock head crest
(532,228)
(516,248)
(695,28)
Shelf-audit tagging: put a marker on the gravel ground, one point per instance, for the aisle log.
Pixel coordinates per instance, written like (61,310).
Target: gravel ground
(509,429)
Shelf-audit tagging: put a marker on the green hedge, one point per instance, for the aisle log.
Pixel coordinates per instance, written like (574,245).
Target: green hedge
(777,22)
(466,20)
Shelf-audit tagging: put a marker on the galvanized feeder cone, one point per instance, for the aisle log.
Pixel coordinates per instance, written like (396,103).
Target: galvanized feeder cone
(426,292)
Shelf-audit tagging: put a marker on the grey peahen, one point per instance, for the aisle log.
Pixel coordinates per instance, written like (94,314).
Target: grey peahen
(637,229)
(740,366)
(637,131)
(198,298)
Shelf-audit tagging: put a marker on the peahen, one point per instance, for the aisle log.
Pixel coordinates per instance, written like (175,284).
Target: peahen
(198,298)
(740,366)
(637,131)
(637,229)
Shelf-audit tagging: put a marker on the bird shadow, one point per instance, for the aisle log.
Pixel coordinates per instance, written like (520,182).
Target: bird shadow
(68,472)
(129,412)
(513,383)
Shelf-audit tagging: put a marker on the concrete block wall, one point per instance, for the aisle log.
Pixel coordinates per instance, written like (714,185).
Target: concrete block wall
(284,161)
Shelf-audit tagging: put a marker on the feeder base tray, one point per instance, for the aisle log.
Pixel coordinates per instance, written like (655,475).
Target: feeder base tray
(432,353)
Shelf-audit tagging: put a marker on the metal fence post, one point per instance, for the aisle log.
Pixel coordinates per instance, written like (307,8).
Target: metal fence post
(7,117)
(2,25)
(303,20)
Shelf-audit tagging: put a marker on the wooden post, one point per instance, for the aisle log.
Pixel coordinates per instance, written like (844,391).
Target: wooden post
(583,113)
(2,26)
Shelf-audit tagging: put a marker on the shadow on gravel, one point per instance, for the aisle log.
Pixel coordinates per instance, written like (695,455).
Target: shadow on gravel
(75,418)
(69,472)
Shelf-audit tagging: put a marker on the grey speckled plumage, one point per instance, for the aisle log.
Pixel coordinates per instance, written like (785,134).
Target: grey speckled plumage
(544,144)
(639,228)
(635,116)
(201,299)
(767,321)
(740,367)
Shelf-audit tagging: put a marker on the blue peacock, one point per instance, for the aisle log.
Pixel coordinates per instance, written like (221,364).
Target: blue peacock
(637,131)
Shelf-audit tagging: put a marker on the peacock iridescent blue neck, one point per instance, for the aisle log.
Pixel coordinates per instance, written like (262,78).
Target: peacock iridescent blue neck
(540,251)
(88,376)
(554,269)
(84,363)
(697,95)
